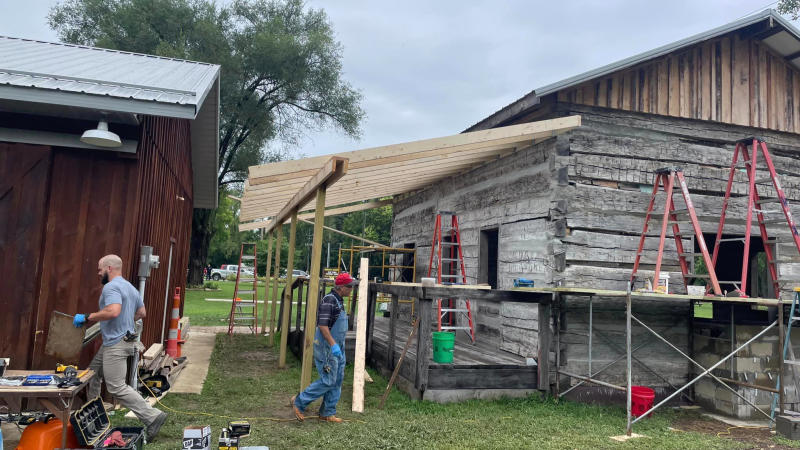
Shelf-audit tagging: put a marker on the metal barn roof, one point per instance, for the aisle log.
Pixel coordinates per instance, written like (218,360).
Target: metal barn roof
(785,41)
(115,81)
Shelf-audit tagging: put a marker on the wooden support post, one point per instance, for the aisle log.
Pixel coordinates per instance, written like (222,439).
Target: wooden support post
(629,368)
(354,300)
(299,314)
(372,298)
(392,331)
(266,287)
(545,340)
(361,338)
(275,278)
(424,344)
(312,298)
(557,329)
(286,302)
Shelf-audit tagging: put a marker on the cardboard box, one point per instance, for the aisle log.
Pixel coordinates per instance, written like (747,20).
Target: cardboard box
(197,438)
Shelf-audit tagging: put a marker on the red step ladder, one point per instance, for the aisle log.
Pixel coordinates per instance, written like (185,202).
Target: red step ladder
(244,311)
(449,269)
(748,149)
(665,179)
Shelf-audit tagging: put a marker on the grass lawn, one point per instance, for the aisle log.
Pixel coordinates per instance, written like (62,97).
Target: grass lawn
(704,310)
(244,383)
(205,313)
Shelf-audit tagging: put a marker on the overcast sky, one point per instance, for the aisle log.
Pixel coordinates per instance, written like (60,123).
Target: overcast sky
(432,68)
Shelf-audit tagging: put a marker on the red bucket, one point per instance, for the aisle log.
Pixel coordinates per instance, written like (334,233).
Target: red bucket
(641,400)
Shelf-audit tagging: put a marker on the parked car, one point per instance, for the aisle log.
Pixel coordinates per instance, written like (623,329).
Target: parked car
(295,274)
(229,269)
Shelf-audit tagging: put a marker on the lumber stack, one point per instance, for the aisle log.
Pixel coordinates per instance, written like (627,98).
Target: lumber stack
(156,362)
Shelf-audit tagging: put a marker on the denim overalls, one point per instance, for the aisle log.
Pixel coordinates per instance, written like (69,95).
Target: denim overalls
(330,369)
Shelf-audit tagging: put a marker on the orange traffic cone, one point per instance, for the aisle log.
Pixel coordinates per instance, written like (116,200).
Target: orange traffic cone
(172,341)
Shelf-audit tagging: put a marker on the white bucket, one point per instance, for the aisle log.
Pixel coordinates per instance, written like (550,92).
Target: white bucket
(697,291)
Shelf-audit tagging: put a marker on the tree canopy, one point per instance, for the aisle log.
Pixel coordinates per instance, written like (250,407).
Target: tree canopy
(281,72)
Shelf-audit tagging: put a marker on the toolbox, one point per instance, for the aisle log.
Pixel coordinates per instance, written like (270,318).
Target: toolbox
(92,426)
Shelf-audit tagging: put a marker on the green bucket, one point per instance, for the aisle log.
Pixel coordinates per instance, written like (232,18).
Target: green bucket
(443,345)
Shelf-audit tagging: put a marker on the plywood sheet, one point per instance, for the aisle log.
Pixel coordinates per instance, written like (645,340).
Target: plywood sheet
(64,341)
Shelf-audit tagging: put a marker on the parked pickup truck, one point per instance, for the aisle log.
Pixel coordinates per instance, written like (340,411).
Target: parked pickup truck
(229,269)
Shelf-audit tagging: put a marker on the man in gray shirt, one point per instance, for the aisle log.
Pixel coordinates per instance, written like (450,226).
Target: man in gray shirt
(120,307)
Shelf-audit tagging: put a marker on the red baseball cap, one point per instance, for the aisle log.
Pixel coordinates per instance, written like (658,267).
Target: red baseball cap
(344,279)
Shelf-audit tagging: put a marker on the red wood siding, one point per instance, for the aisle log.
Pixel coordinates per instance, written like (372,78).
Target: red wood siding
(63,209)
(24,173)
(165,180)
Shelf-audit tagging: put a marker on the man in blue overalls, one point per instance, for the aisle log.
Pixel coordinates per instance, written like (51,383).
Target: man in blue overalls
(328,353)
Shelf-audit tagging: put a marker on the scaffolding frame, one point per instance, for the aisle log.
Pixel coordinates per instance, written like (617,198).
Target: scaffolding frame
(391,268)
(629,296)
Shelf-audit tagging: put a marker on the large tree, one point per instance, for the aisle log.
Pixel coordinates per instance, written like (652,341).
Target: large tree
(281,73)
(790,7)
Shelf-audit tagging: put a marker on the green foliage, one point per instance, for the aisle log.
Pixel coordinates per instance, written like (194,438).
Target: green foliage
(789,7)
(281,65)
(374,224)
(211,285)
(700,269)
(281,77)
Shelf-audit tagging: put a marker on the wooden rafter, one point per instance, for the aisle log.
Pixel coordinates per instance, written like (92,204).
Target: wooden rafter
(391,170)
(328,212)
(333,170)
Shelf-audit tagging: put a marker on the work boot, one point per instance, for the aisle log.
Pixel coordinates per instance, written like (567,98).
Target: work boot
(333,419)
(296,410)
(155,426)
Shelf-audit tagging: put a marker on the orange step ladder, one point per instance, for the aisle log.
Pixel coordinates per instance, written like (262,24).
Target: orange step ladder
(245,311)
(447,262)
(665,180)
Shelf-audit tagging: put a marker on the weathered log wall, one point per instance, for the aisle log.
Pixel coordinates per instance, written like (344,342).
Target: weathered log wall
(611,161)
(582,227)
(512,194)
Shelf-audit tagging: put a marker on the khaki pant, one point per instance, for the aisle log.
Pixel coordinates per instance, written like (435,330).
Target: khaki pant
(111,364)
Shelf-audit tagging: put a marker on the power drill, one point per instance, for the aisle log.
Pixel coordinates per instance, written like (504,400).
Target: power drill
(229,437)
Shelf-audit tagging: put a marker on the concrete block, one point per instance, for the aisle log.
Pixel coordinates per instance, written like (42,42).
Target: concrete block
(763,349)
(726,396)
(725,407)
(788,427)
(705,389)
(749,364)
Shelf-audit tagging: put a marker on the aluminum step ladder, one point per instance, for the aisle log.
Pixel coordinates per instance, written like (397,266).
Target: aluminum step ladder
(666,180)
(244,311)
(447,262)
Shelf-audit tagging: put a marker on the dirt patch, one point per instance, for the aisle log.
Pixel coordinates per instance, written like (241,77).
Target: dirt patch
(258,356)
(760,438)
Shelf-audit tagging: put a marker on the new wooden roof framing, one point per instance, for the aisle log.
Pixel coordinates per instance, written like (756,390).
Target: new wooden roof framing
(389,170)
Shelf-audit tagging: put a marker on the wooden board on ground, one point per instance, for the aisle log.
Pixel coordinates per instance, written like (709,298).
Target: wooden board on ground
(154,351)
(64,341)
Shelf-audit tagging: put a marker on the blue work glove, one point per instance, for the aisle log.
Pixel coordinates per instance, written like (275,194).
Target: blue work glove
(79,320)
(336,350)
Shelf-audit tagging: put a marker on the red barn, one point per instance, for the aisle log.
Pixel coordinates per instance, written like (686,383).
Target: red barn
(65,201)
